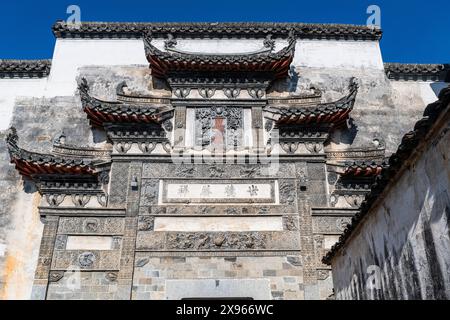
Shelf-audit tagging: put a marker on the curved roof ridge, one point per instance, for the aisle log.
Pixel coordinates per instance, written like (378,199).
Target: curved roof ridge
(63,29)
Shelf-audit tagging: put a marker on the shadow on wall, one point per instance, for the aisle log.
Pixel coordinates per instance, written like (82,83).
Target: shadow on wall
(29,186)
(288,84)
(438,86)
(345,135)
(98,135)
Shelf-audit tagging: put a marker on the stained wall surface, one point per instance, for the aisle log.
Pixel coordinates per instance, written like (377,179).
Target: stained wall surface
(401,250)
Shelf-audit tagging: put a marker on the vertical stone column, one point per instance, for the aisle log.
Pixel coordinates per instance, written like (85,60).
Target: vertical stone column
(317,180)
(40,285)
(307,248)
(125,276)
(119,184)
(308,175)
(257,129)
(180,127)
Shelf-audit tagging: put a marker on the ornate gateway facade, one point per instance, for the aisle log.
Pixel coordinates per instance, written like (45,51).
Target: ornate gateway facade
(176,161)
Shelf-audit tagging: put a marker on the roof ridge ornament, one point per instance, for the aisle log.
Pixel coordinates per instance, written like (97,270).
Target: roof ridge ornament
(170,42)
(269,42)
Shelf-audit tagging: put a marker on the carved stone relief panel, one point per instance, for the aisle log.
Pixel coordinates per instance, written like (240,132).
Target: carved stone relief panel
(149,192)
(91,225)
(86,260)
(213,241)
(330,225)
(230,171)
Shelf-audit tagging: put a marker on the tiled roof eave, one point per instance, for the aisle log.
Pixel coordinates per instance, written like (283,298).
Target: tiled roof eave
(24,68)
(62,29)
(31,163)
(332,112)
(164,62)
(100,112)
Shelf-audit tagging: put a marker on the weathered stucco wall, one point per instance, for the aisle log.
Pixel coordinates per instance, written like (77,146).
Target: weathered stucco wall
(39,121)
(10,89)
(402,249)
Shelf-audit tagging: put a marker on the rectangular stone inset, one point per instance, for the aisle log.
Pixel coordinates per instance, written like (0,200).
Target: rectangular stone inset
(230,191)
(86,260)
(89,243)
(257,289)
(218,224)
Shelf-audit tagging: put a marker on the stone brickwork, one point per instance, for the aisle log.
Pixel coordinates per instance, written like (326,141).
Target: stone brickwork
(284,273)
(75,285)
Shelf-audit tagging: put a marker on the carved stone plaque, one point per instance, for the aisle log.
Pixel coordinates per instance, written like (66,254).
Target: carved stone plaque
(230,191)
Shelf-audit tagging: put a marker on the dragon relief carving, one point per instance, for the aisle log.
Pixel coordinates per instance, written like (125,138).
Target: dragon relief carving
(205,241)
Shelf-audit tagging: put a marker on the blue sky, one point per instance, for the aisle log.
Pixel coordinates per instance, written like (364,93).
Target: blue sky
(414,31)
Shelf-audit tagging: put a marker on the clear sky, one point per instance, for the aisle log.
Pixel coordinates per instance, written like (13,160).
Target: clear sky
(414,31)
